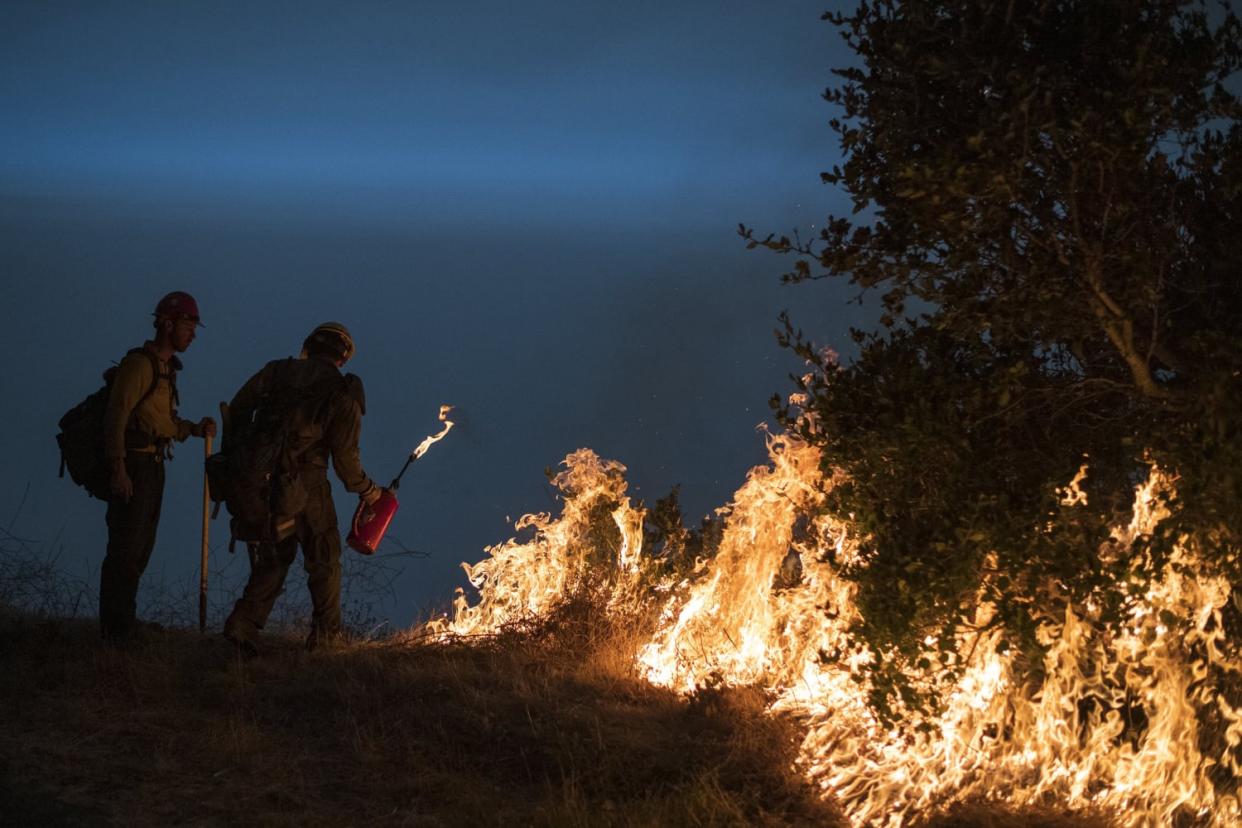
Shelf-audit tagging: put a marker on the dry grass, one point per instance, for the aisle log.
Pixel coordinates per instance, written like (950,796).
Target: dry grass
(530,729)
(543,724)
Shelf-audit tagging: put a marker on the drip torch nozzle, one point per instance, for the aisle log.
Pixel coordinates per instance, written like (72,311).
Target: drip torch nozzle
(425,444)
(371,521)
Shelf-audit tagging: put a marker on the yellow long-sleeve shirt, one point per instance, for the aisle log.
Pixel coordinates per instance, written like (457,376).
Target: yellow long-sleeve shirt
(131,425)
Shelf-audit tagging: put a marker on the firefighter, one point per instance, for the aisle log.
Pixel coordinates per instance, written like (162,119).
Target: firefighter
(140,424)
(330,432)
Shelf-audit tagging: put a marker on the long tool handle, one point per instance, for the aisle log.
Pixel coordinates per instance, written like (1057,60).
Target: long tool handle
(202,571)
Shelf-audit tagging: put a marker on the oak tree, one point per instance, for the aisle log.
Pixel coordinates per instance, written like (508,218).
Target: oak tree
(1047,203)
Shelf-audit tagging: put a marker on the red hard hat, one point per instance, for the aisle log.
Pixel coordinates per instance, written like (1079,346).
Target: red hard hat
(177,305)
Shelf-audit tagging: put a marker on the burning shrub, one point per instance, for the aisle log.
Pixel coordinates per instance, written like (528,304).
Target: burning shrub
(1142,718)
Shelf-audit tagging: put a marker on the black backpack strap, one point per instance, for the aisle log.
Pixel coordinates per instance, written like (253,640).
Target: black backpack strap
(155,375)
(174,365)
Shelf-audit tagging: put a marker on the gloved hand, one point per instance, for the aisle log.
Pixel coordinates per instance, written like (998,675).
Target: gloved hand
(205,427)
(371,495)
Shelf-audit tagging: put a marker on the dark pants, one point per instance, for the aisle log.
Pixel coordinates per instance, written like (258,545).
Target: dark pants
(317,534)
(131,537)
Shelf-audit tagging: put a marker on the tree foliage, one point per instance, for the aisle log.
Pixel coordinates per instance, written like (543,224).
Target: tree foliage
(1047,198)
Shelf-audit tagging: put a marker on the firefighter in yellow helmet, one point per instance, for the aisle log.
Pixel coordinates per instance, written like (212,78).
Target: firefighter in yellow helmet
(330,423)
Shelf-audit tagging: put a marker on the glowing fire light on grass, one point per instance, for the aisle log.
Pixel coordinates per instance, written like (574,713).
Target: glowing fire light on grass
(1061,741)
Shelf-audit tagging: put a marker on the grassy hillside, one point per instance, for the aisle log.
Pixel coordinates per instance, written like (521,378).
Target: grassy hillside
(535,727)
(544,724)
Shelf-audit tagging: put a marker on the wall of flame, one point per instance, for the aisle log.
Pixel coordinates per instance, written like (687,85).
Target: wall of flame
(997,738)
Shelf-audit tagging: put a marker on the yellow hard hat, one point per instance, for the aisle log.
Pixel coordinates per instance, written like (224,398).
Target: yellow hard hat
(333,332)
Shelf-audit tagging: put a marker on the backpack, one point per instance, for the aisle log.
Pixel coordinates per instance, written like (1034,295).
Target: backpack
(258,478)
(81,436)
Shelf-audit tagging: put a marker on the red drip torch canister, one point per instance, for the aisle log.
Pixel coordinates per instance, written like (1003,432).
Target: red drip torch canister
(371,522)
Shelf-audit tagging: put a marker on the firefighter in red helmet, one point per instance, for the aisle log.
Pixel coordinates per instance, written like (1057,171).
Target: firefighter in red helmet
(327,407)
(140,424)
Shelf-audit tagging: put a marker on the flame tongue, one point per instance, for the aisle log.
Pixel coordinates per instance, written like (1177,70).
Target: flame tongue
(432,439)
(1171,668)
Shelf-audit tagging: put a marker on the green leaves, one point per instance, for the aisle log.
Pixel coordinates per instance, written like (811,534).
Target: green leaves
(1058,189)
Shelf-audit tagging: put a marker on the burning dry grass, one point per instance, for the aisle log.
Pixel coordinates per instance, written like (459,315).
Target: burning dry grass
(1137,723)
(528,727)
(997,815)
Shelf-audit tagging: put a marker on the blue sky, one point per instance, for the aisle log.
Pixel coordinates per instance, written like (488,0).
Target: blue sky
(405,104)
(527,210)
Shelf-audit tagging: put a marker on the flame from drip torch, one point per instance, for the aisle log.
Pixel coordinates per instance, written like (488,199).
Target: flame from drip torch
(432,439)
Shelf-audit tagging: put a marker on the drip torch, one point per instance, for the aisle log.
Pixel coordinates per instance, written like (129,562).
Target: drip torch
(371,522)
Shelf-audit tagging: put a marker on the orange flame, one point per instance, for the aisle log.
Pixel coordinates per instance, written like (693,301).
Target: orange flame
(521,580)
(431,440)
(1061,740)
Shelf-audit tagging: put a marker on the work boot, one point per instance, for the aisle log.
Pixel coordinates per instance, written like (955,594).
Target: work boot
(123,634)
(115,627)
(134,637)
(240,631)
(130,630)
(246,648)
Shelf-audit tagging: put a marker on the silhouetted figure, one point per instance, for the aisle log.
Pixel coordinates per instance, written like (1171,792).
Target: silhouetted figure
(327,408)
(140,424)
